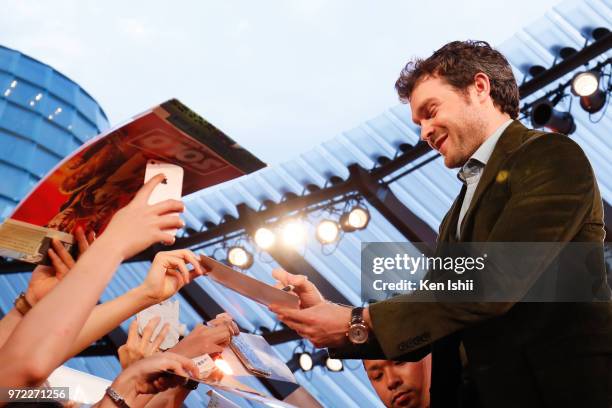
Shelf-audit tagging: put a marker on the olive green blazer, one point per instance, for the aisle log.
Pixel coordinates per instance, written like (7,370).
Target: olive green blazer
(536,187)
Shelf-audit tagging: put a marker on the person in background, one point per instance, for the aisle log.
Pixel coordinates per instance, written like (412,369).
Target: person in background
(401,383)
(208,339)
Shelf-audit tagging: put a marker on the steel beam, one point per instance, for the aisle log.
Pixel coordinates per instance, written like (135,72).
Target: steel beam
(400,216)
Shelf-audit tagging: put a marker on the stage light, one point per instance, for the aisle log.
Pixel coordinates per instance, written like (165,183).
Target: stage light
(586,86)
(293,233)
(599,33)
(594,102)
(536,70)
(264,238)
(585,83)
(305,361)
(543,115)
(334,364)
(356,219)
(328,231)
(240,257)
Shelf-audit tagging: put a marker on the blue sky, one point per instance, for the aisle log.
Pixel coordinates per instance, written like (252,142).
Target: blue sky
(280,77)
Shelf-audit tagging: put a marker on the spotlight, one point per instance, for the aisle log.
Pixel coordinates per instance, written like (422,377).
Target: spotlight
(543,115)
(593,103)
(305,361)
(293,233)
(567,52)
(334,364)
(240,257)
(599,33)
(264,238)
(536,70)
(328,231)
(585,83)
(586,86)
(356,219)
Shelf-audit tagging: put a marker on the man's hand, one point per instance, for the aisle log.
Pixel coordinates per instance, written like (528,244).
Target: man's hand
(325,324)
(307,292)
(169,273)
(138,347)
(44,278)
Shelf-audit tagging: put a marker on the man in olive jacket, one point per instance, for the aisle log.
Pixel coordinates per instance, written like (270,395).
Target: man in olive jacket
(520,185)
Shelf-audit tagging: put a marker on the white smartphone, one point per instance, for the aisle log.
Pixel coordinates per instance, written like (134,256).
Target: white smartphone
(170,188)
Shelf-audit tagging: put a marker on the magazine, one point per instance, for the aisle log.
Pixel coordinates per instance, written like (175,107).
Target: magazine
(103,175)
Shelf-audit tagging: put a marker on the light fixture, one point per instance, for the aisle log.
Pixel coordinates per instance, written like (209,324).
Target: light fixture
(356,219)
(544,115)
(328,231)
(585,83)
(305,361)
(264,238)
(293,233)
(586,86)
(536,70)
(594,102)
(14,83)
(599,33)
(333,364)
(38,97)
(240,257)
(567,52)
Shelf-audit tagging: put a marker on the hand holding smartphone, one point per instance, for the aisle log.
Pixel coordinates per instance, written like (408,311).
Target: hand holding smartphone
(170,188)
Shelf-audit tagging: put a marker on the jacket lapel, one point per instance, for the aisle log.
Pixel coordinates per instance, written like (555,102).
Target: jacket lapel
(509,141)
(448,229)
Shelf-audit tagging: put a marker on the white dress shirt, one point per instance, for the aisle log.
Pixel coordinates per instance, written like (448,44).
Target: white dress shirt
(472,170)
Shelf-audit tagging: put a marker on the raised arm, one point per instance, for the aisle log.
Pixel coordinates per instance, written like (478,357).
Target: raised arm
(45,335)
(167,275)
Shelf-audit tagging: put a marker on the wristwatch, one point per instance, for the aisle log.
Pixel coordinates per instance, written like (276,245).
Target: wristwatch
(358,330)
(116,398)
(21,304)
(191,385)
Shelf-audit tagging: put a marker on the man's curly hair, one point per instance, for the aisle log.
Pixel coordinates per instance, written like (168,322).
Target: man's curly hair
(457,63)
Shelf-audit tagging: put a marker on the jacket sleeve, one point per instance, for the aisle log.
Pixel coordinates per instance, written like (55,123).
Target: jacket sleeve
(552,191)
(371,350)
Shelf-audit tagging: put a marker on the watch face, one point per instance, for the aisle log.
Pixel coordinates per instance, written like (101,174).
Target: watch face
(358,333)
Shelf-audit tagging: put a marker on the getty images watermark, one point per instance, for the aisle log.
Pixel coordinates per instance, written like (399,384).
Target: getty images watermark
(402,264)
(484,272)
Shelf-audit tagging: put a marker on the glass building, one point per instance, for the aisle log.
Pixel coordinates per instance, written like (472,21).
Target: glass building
(43,117)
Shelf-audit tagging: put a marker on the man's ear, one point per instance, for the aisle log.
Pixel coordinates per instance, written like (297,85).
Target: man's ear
(482,86)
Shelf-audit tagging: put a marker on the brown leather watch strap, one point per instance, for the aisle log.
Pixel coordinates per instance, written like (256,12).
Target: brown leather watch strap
(22,305)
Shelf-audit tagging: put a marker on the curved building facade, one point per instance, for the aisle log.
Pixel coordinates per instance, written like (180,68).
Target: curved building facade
(43,117)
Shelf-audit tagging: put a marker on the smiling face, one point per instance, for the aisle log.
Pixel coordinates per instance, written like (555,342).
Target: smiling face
(452,122)
(399,383)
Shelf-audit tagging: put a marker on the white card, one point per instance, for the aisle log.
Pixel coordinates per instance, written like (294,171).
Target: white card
(168,312)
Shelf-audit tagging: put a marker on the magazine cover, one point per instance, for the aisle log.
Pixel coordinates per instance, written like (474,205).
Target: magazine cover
(102,176)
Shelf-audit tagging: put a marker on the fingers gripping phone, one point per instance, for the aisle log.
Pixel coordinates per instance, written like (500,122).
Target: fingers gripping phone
(170,188)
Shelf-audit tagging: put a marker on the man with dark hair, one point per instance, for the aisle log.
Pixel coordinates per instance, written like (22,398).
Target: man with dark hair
(519,185)
(400,383)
